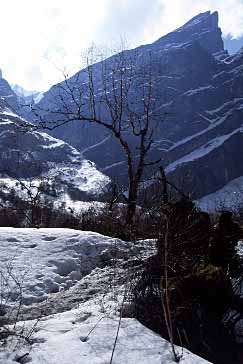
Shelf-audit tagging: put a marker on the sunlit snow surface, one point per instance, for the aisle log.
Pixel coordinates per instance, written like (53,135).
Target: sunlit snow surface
(229,197)
(85,334)
(62,339)
(51,260)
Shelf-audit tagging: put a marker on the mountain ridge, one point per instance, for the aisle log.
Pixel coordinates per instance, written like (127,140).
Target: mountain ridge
(201,86)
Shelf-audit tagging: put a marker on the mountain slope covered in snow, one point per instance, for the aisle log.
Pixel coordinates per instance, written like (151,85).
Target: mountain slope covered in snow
(27,153)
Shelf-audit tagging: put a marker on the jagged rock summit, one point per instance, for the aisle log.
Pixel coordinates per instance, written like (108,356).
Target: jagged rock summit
(203,28)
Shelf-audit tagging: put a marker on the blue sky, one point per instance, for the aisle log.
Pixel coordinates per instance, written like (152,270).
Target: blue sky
(233,45)
(41,38)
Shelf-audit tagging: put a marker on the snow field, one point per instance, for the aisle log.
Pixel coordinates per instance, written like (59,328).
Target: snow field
(86,336)
(52,260)
(229,197)
(56,259)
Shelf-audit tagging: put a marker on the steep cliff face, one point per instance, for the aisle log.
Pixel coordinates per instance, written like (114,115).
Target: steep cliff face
(203,28)
(200,87)
(7,96)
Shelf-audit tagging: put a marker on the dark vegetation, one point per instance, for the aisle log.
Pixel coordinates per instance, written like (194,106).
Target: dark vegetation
(184,293)
(36,211)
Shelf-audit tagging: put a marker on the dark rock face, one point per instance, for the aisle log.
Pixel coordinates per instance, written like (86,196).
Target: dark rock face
(25,152)
(28,153)
(202,28)
(201,87)
(8,99)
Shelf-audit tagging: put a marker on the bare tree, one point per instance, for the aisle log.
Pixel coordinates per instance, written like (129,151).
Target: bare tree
(34,193)
(117,94)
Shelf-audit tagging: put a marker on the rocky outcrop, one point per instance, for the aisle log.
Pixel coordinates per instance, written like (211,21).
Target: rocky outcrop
(8,98)
(203,28)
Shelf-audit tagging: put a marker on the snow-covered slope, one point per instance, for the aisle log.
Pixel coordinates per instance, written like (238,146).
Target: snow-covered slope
(230,197)
(26,153)
(87,337)
(62,339)
(56,259)
(30,154)
(53,260)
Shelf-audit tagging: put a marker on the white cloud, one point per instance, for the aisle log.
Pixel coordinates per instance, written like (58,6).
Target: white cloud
(41,35)
(38,37)
(177,12)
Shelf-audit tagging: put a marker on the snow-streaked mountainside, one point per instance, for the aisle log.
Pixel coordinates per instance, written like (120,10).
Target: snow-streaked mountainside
(230,197)
(57,265)
(199,86)
(26,153)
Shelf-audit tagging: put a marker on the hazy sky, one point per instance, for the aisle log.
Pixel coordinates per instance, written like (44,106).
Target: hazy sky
(41,37)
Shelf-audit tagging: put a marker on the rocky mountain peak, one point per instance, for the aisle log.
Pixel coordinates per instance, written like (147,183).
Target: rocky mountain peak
(203,28)
(203,21)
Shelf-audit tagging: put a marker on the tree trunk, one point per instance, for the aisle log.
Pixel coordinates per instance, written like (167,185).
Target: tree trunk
(164,185)
(132,203)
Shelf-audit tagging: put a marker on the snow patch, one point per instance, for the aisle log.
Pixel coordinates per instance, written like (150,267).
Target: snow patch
(229,197)
(51,260)
(202,151)
(63,339)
